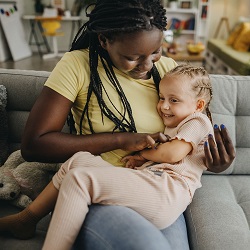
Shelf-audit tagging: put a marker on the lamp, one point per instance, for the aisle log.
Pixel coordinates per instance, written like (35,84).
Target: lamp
(223,19)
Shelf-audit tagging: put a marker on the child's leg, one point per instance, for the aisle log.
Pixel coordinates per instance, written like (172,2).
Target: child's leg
(23,225)
(78,160)
(143,192)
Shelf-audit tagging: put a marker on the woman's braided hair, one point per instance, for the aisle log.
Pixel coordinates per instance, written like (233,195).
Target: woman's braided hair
(201,83)
(111,18)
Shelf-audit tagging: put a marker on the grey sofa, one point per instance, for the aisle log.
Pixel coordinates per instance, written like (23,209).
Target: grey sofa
(219,216)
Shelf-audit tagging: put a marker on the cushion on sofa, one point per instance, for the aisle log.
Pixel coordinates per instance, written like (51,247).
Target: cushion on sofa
(230,106)
(29,84)
(242,41)
(219,215)
(234,34)
(22,94)
(3,125)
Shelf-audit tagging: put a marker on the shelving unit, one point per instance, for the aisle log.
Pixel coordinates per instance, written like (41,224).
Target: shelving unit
(183,16)
(199,13)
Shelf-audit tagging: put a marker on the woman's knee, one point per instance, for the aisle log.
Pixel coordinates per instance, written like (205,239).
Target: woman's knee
(122,228)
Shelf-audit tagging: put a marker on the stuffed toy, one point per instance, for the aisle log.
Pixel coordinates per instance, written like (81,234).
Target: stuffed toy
(22,181)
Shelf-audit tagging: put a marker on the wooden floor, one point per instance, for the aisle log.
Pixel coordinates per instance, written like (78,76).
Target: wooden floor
(35,62)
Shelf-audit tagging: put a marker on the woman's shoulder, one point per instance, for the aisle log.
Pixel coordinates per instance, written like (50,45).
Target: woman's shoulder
(70,73)
(165,64)
(77,55)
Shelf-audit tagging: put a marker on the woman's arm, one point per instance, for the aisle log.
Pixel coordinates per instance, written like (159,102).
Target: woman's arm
(43,140)
(220,155)
(169,152)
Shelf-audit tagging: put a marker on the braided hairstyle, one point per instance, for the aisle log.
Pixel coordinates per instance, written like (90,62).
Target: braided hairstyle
(201,83)
(112,18)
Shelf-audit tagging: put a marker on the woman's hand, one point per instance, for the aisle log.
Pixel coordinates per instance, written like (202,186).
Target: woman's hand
(219,155)
(139,141)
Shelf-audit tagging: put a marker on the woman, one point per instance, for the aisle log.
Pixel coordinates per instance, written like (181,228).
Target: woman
(161,181)
(110,75)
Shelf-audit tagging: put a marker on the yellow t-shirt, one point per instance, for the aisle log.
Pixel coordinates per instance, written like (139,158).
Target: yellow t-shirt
(70,78)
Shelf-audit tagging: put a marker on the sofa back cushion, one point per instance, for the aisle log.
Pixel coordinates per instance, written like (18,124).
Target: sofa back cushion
(3,125)
(23,87)
(231,106)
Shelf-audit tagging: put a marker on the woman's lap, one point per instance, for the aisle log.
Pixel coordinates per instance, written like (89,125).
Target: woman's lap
(115,227)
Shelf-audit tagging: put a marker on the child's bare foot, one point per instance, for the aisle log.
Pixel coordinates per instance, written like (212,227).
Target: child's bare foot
(21,225)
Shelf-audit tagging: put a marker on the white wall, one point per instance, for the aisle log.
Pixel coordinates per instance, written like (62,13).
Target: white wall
(63,42)
(234,9)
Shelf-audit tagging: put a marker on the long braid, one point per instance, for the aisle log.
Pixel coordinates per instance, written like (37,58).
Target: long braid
(111,18)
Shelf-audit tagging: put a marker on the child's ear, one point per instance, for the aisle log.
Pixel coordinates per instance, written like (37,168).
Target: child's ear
(200,105)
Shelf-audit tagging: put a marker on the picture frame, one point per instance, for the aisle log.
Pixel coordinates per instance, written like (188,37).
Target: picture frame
(186,4)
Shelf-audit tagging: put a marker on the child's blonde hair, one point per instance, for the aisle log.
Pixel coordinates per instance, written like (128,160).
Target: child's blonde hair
(200,81)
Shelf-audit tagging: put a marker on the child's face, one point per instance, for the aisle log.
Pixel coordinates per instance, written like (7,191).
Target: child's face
(177,100)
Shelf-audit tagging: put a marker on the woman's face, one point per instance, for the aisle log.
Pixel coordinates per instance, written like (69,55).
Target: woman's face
(135,53)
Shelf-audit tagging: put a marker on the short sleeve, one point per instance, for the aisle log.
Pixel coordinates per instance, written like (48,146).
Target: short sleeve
(194,129)
(68,76)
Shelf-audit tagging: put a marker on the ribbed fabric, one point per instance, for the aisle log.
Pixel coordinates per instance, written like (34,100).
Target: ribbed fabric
(102,183)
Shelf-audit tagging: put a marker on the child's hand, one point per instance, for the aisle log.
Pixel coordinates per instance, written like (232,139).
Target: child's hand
(133,161)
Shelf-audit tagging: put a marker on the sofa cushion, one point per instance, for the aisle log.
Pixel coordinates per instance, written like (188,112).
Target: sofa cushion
(3,125)
(219,215)
(23,88)
(230,106)
(242,42)
(234,34)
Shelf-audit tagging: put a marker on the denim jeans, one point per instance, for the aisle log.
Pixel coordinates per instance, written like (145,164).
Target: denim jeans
(120,228)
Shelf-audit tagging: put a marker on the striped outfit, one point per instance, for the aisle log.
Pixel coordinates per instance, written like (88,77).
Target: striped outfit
(159,192)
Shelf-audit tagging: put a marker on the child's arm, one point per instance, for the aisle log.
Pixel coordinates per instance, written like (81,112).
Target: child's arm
(169,152)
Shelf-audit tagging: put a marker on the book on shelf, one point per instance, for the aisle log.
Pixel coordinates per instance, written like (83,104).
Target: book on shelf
(204,11)
(188,24)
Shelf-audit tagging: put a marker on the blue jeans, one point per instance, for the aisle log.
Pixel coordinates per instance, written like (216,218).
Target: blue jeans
(120,228)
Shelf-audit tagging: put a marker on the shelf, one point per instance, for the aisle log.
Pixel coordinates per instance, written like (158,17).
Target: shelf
(187,32)
(184,56)
(179,10)
(191,23)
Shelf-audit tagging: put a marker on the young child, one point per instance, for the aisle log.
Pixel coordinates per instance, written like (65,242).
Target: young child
(160,190)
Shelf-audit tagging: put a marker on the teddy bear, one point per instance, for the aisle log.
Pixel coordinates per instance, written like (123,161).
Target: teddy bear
(22,181)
